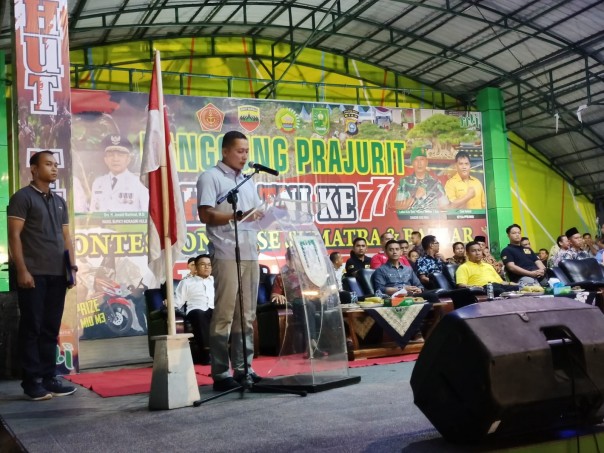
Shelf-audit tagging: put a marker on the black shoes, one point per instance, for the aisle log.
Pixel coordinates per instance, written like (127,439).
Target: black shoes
(56,387)
(45,390)
(225,384)
(36,392)
(240,380)
(240,377)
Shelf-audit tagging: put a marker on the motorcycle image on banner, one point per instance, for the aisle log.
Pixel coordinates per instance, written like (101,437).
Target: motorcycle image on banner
(112,310)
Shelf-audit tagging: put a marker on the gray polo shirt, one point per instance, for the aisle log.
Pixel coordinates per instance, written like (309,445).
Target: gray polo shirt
(42,234)
(213,184)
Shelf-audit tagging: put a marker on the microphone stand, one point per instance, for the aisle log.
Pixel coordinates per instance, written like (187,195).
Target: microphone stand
(246,383)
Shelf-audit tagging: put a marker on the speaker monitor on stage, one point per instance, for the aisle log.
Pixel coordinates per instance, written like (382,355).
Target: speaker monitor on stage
(512,366)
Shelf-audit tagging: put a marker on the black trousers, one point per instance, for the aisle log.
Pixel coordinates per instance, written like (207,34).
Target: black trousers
(305,317)
(41,312)
(200,323)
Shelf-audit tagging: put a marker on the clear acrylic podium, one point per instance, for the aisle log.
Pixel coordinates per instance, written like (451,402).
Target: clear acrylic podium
(312,353)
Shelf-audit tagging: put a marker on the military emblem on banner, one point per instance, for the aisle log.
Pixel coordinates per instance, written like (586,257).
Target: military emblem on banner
(351,118)
(287,120)
(320,120)
(210,118)
(313,259)
(249,117)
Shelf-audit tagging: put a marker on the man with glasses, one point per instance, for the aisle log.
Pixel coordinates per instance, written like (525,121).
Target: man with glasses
(196,294)
(431,262)
(118,190)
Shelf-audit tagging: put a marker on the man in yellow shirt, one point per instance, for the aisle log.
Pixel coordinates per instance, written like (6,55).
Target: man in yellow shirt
(476,272)
(464,191)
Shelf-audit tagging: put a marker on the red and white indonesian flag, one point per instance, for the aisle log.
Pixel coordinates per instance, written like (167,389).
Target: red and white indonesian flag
(165,199)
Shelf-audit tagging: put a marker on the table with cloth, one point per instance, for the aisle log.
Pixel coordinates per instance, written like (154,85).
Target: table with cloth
(399,325)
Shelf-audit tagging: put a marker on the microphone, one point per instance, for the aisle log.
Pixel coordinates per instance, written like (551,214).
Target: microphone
(260,167)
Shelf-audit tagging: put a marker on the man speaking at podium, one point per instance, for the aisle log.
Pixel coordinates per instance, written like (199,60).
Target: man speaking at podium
(211,186)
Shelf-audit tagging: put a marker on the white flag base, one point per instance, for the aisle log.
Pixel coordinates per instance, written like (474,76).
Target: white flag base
(173,383)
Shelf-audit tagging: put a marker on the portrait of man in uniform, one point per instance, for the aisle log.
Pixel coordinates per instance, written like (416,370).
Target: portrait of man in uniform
(420,192)
(119,189)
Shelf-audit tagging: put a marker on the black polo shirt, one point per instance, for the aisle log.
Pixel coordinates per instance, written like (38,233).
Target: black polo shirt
(42,234)
(354,264)
(522,257)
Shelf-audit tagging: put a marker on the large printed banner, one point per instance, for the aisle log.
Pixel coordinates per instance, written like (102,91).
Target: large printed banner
(42,102)
(375,169)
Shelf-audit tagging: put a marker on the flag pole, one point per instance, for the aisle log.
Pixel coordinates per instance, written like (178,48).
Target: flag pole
(165,207)
(173,382)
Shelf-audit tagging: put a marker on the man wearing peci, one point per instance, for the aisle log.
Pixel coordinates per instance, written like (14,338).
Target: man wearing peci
(226,322)
(38,238)
(120,189)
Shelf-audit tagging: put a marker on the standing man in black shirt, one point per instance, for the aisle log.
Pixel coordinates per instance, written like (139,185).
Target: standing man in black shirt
(38,236)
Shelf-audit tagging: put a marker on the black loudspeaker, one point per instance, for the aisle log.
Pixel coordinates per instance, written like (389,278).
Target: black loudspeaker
(512,366)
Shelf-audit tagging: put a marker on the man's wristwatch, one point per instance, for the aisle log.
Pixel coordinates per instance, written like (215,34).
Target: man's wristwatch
(74,268)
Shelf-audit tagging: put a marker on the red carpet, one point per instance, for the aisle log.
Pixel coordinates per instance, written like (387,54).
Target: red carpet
(130,381)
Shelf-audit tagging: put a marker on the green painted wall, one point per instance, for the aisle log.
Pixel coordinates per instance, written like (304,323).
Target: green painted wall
(543,204)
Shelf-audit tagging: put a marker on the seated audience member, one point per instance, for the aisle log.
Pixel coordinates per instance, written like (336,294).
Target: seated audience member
(524,242)
(192,267)
(404,247)
(197,293)
(393,276)
(600,253)
(487,257)
(431,262)
(521,263)
(380,258)
(416,240)
(358,260)
(563,245)
(338,268)
(287,288)
(459,254)
(588,244)
(413,257)
(543,256)
(575,250)
(475,272)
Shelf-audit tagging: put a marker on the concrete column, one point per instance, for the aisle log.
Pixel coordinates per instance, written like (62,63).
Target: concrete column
(173,383)
(496,166)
